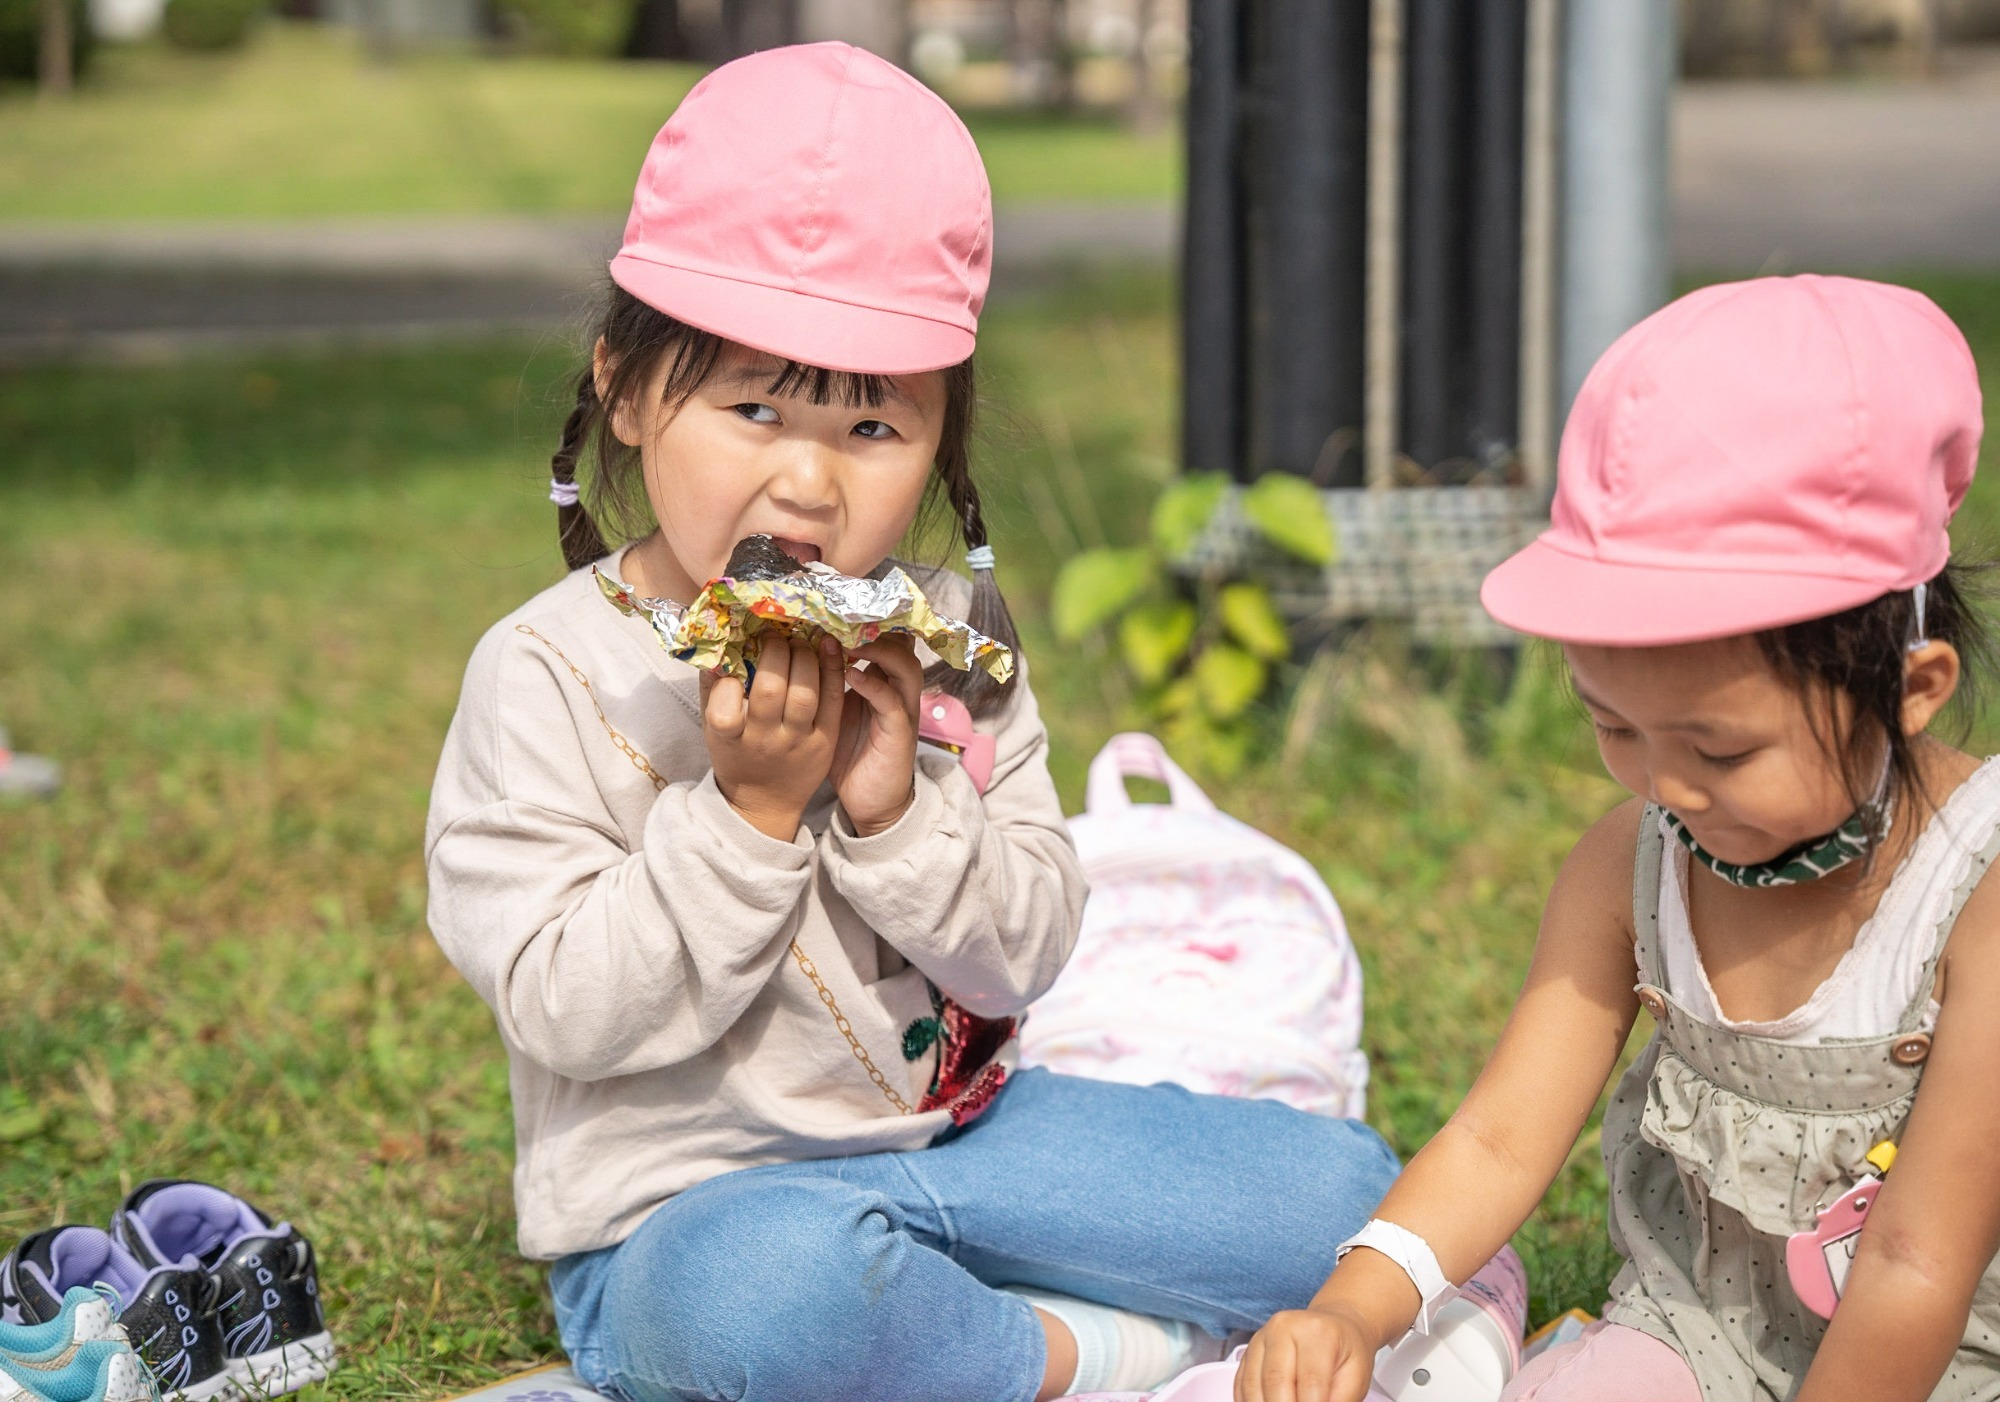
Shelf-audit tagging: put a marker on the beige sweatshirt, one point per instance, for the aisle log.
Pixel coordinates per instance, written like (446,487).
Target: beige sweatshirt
(651,958)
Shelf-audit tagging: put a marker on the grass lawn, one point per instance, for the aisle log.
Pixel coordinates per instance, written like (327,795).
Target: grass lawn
(301,124)
(235,598)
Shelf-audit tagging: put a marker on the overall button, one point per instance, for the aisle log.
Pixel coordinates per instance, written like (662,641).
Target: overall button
(1911,1050)
(1654,1003)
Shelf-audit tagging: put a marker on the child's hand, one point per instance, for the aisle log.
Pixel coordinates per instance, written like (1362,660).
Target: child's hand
(874,770)
(772,743)
(1309,1355)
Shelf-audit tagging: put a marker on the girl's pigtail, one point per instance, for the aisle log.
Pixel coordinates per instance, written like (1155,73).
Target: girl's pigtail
(988,612)
(581,542)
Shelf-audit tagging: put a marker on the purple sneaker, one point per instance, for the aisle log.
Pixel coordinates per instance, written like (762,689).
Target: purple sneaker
(273,1332)
(168,1310)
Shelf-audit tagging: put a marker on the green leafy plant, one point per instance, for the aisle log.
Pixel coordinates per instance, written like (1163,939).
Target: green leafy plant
(1203,649)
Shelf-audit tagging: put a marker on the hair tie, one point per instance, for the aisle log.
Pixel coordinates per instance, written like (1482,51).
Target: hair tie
(1923,637)
(979,557)
(562,493)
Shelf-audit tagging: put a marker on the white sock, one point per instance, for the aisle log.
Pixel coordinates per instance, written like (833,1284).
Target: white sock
(1119,1351)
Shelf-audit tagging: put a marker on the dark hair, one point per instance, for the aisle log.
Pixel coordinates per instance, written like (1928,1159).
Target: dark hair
(1858,654)
(637,338)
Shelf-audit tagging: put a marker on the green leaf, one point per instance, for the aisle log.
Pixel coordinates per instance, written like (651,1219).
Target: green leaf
(1229,679)
(1181,697)
(1214,747)
(21,1122)
(1154,637)
(1249,616)
(1093,588)
(1183,510)
(1289,512)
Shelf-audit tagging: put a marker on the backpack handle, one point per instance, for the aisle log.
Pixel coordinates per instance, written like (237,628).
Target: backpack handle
(1136,755)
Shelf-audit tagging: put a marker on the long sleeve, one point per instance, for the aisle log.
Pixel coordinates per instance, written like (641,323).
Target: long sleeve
(597,960)
(983,894)
(633,935)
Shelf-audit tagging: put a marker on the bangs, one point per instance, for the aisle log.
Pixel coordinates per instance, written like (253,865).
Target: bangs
(847,388)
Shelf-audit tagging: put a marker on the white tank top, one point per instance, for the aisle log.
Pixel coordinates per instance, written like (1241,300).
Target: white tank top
(1867,991)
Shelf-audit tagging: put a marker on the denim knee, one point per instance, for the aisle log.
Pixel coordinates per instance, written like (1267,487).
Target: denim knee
(750,1285)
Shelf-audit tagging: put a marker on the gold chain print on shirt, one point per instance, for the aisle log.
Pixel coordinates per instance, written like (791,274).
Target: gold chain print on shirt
(805,963)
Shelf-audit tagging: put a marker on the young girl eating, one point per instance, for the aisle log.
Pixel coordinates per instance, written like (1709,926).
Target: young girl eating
(757,961)
(1747,569)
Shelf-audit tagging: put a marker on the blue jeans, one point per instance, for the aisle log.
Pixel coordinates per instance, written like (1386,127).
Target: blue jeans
(872,1279)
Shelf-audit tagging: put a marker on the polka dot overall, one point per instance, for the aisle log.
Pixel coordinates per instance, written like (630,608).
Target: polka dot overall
(1718,1145)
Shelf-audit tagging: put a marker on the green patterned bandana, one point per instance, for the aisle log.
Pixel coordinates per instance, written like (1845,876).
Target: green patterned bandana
(1808,861)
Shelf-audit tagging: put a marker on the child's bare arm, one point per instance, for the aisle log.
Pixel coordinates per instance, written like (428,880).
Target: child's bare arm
(1935,1227)
(1480,1177)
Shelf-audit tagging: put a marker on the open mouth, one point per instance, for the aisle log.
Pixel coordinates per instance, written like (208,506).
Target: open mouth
(805,552)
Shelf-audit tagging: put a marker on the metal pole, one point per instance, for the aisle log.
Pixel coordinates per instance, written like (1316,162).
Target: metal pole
(1618,70)
(1538,243)
(1307,232)
(1382,373)
(1212,284)
(1435,235)
(1493,260)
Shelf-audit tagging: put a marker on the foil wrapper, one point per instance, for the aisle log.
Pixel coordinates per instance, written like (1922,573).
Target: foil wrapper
(765,590)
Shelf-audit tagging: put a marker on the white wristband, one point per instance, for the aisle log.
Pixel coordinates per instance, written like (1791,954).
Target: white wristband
(1418,1261)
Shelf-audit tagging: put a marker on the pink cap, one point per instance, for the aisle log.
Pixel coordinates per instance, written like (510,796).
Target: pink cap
(818,203)
(1754,454)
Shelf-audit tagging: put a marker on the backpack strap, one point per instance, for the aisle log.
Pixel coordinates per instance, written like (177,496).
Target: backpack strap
(1134,754)
(1646,865)
(1913,1015)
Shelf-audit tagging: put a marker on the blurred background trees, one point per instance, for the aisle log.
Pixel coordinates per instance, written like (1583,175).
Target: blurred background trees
(1804,38)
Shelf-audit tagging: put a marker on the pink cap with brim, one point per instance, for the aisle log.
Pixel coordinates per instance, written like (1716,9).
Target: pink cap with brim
(1754,454)
(820,204)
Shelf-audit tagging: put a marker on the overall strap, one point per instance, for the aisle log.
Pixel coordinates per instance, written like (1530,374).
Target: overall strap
(1913,1015)
(1646,864)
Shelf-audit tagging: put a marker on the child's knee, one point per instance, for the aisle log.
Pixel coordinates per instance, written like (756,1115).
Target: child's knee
(739,1283)
(1610,1360)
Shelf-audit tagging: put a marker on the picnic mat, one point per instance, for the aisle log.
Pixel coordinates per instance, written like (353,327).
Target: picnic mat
(554,1383)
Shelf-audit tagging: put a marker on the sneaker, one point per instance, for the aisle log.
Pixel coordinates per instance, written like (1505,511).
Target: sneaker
(103,1370)
(85,1315)
(168,1312)
(27,774)
(273,1332)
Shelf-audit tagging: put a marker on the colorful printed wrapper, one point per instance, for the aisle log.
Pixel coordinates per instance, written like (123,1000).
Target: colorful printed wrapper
(729,612)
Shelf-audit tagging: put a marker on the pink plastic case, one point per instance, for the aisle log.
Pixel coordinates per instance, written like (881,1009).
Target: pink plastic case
(1818,1260)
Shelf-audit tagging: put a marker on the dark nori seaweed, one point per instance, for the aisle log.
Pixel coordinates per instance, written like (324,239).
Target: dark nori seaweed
(755,557)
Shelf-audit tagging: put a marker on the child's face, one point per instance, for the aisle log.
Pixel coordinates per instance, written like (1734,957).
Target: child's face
(1709,732)
(829,482)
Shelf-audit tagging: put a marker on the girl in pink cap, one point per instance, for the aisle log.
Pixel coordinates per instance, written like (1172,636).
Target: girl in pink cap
(1747,569)
(756,960)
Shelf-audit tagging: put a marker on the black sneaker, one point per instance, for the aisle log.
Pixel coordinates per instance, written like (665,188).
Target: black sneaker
(273,1333)
(167,1311)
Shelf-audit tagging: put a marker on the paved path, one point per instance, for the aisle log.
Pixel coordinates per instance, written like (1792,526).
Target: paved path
(139,291)
(1767,176)
(1795,176)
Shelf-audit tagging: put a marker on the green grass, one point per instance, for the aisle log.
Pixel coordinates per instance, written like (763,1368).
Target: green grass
(236,596)
(301,124)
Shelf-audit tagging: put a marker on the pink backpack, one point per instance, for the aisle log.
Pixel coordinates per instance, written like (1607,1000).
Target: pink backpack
(1211,955)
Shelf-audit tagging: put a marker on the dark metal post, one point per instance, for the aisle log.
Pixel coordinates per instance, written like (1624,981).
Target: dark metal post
(1212,247)
(1435,126)
(1307,224)
(1493,338)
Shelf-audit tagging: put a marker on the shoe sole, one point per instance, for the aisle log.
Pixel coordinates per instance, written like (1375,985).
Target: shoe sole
(278,1371)
(222,1385)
